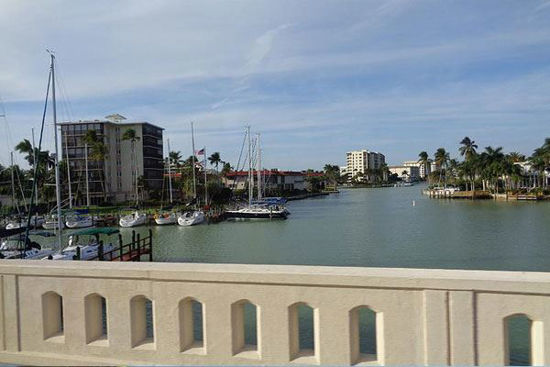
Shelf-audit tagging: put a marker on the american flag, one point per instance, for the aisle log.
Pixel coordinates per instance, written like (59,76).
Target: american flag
(200,152)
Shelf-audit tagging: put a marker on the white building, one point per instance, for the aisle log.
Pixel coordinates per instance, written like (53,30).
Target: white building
(424,170)
(364,163)
(406,173)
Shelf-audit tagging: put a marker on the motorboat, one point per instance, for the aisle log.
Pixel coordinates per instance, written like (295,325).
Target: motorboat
(133,220)
(166,218)
(258,212)
(89,250)
(12,248)
(36,221)
(79,221)
(51,223)
(191,218)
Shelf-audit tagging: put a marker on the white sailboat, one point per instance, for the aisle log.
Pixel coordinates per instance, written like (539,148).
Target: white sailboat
(79,221)
(133,220)
(197,216)
(261,210)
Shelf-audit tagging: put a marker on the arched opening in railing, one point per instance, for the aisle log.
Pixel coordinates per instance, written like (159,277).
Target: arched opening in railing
(191,321)
(523,341)
(52,316)
(303,326)
(142,322)
(244,324)
(95,307)
(364,334)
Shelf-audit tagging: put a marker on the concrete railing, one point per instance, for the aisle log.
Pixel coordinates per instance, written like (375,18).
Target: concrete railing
(96,313)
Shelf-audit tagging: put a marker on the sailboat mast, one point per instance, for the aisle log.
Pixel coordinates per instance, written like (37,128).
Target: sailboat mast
(57,183)
(87,179)
(169,172)
(34,150)
(259,167)
(193,161)
(250,173)
(68,172)
(13,199)
(205,189)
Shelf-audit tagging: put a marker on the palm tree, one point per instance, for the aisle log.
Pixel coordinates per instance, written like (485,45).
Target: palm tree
(98,152)
(175,158)
(332,172)
(25,147)
(468,148)
(441,157)
(423,158)
(215,160)
(131,135)
(226,168)
(515,157)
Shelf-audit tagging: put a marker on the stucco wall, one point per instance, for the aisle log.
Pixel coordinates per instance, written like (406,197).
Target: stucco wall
(423,316)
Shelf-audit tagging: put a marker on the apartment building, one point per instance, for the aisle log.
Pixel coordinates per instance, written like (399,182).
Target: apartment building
(408,173)
(113,178)
(424,170)
(363,163)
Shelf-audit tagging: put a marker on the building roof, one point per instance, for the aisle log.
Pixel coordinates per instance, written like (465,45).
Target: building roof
(274,173)
(108,122)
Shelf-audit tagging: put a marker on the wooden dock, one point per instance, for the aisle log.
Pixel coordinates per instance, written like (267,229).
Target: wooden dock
(132,251)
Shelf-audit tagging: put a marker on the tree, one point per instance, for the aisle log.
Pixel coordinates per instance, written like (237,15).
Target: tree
(424,159)
(98,152)
(332,172)
(468,148)
(441,158)
(175,158)
(131,135)
(215,160)
(226,168)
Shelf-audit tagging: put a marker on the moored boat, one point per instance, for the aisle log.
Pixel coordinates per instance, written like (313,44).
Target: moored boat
(166,218)
(133,220)
(79,221)
(191,218)
(258,212)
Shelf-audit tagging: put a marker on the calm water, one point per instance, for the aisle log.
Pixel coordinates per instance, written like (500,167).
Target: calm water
(380,228)
(375,227)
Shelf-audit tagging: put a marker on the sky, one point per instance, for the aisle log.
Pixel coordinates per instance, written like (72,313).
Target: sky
(315,78)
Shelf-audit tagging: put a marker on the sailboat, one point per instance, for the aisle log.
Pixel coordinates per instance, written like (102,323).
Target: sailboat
(164,218)
(261,209)
(197,216)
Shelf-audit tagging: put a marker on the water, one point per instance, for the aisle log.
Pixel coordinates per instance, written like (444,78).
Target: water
(374,228)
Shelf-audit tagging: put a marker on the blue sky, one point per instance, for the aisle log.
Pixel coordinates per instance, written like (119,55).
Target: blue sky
(316,78)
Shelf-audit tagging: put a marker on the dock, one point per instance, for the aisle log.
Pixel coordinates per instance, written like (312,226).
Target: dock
(132,251)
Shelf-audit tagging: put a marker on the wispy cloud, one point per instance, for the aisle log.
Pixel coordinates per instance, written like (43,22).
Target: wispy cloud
(322,78)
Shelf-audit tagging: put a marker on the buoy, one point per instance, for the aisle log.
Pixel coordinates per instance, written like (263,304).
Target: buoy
(414,203)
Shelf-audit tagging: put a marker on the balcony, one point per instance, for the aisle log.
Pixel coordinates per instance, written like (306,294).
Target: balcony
(92,313)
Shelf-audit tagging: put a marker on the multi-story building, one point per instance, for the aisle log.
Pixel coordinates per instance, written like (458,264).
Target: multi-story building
(407,173)
(113,178)
(364,163)
(424,170)
(271,179)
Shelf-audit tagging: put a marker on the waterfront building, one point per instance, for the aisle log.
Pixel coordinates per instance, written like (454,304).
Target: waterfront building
(407,173)
(271,180)
(275,180)
(363,163)
(424,170)
(113,178)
